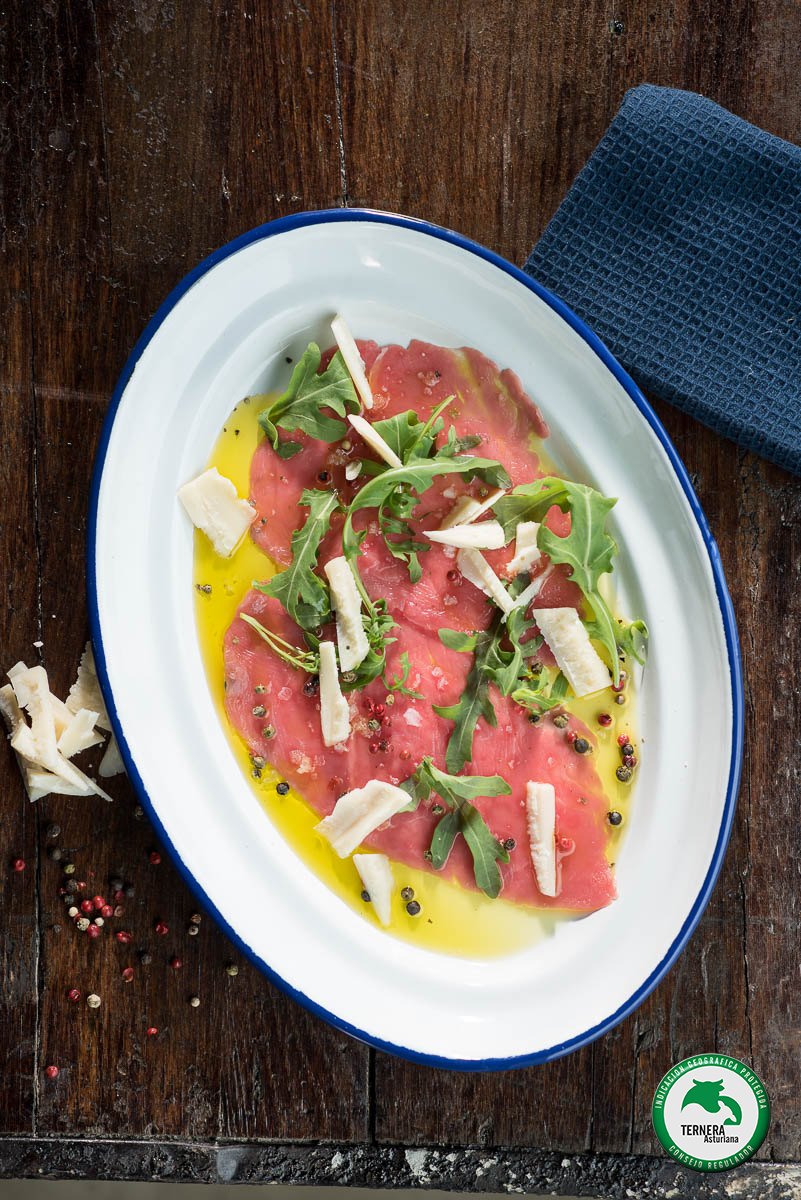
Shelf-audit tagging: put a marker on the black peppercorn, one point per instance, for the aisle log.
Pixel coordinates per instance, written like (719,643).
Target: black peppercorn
(413,908)
(129,890)
(366,897)
(282,788)
(145,958)
(509,844)
(116,883)
(614,817)
(581,745)
(53,830)
(54,854)
(623,774)
(626,750)
(437,809)
(407,893)
(310,687)
(534,718)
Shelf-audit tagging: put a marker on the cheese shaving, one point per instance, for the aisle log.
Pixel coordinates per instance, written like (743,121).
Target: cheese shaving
(376,875)
(352,359)
(359,813)
(541,820)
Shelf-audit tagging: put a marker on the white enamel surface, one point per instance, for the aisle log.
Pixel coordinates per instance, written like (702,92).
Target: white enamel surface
(229,336)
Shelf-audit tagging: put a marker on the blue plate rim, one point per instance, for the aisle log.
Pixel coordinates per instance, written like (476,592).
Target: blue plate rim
(333,216)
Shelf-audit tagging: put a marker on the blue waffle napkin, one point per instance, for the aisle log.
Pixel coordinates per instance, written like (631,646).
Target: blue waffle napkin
(680,245)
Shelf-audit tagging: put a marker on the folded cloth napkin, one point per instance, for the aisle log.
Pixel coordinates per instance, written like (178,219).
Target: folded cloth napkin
(680,245)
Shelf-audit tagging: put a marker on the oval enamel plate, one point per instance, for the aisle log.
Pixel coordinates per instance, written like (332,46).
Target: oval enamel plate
(224,333)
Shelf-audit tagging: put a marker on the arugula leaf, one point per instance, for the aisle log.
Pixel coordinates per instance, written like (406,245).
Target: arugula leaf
(301,405)
(302,593)
(633,639)
(587,549)
(444,836)
(393,521)
(473,703)
(303,660)
(529,502)
(464,817)
(533,695)
(398,682)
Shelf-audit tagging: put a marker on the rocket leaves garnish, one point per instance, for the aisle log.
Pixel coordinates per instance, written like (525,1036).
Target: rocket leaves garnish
(457,792)
(398,682)
(302,404)
(303,660)
(587,549)
(302,593)
(499,657)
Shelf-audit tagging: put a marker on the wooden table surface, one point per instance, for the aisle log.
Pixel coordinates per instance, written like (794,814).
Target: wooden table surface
(137,136)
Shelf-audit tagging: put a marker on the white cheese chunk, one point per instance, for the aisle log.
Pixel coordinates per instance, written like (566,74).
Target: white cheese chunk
(334,711)
(375,441)
(85,691)
(359,813)
(466,509)
(38,780)
(533,590)
(527,552)
(351,639)
(376,875)
(488,535)
(477,571)
(541,820)
(353,359)
(111,763)
(33,694)
(80,733)
(215,508)
(353,470)
(570,645)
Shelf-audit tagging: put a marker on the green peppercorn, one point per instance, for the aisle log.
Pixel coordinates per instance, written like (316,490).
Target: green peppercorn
(268,732)
(407,893)
(437,809)
(282,788)
(560,720)
(259,711)
(69,868)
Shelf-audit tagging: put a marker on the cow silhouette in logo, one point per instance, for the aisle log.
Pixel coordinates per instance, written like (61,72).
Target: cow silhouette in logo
(709,1094)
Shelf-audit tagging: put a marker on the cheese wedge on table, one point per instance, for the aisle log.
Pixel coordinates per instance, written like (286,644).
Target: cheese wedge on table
(85,691)
(375,441)
(359,813)
(466,509)
(214,507)
(488,535)
(33,694)
(352,641)
(334,711)
(570,645)
(477,571)
(352,359)
(527,552)
(80,733)
(111,763)
(376,875)
(541,821)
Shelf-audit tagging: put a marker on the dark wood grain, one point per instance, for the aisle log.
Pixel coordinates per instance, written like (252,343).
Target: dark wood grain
(137,137)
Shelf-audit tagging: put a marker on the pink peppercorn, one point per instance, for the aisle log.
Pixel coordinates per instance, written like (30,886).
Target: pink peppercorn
(93,931)
(373,747)
(127,974)
(74,995)
(604,719)
(572,736)
(119,895)
(152,1031)
(122,935)
(176,963)
(622,739)
(154,857)
(162,927)
(405,754)
(51,1072)
(18,864)
(119,910)
(378,709)
(106,911)
(98,902)
(87,906)
(386,722)
(566,844)
(629,760)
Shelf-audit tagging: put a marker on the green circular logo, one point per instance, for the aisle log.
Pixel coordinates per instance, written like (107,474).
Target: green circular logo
(711,1112)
